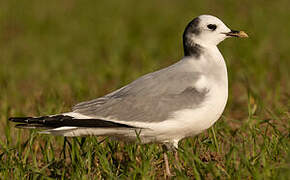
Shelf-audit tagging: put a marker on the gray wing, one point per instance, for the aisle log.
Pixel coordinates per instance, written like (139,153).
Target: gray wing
(151,98)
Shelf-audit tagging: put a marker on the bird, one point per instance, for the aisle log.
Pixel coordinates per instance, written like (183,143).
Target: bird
(165,106)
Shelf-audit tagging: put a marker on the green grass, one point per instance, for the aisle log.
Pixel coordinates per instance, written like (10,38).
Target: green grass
(54,54)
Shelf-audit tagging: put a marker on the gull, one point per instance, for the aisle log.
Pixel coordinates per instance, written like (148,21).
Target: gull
(165,106)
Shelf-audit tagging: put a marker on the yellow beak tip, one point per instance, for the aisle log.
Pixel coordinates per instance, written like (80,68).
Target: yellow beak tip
(243,34)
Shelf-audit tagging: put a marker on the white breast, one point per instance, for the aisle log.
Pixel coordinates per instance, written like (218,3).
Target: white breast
(193,121)
(190,122)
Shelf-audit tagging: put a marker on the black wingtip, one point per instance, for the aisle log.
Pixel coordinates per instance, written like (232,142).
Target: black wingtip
(19,119)
(62,120)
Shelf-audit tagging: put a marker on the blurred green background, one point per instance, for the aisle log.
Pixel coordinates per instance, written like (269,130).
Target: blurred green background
(54,54)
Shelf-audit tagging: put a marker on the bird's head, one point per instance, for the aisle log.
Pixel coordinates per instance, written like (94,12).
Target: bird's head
(207,30)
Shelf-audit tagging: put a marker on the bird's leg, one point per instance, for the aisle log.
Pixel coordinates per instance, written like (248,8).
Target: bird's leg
(171,146)
(167,169)
(174,147)
(176,156)
(177,159)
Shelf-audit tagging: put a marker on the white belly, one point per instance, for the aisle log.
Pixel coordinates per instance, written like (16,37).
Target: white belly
(190,122)
(197,120)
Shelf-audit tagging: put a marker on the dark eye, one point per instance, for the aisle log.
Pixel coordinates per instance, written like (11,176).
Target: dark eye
(211,27)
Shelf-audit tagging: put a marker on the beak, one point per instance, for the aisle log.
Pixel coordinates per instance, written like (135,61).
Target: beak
(235,33)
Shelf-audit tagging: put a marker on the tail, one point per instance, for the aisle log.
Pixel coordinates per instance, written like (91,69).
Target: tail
(67,125)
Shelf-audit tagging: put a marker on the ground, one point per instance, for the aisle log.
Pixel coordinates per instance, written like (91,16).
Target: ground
(57,53)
